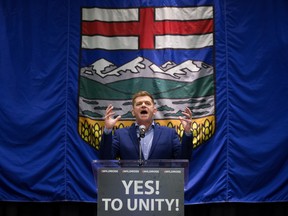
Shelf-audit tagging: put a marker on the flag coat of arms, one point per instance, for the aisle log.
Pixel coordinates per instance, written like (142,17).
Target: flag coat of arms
(167,51)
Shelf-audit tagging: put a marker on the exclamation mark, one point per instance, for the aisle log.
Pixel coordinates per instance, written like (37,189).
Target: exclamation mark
(177,205)
(157,188)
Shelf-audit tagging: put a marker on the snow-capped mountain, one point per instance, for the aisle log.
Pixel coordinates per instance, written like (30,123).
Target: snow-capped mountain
(104,71)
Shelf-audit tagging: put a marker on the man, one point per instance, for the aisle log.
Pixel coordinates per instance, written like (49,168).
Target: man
(159,142)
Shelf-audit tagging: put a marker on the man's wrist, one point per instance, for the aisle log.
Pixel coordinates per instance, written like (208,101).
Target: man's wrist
(107,131)
(188,133)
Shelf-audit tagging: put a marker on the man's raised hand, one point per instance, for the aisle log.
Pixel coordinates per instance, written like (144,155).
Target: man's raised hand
(110,121)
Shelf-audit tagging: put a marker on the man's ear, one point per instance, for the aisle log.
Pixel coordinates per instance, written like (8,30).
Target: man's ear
(155,110)
(132,111)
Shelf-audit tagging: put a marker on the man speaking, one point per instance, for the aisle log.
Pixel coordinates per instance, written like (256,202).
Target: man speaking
(145,139)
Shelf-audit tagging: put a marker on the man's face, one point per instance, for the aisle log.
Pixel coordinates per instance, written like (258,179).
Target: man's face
(144,110)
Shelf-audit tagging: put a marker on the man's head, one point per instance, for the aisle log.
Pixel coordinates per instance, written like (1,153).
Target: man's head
(143,108)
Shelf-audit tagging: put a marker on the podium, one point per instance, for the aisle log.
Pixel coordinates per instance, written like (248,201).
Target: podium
(152,187)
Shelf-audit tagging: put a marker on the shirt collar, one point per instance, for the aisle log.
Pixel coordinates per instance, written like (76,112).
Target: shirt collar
(151,126)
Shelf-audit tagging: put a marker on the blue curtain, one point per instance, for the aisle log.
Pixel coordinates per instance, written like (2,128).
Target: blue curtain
(43,157)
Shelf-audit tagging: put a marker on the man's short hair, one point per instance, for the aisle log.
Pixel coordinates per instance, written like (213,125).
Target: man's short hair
(140,94)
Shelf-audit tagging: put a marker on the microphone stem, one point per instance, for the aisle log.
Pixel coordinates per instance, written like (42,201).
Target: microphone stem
(140,152)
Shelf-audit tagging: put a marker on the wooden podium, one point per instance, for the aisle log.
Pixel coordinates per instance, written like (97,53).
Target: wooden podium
(152,187)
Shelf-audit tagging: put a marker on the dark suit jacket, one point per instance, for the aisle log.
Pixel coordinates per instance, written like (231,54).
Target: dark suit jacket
(124,144)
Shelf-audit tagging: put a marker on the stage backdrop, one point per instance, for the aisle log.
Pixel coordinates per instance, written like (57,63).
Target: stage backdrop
(63,61)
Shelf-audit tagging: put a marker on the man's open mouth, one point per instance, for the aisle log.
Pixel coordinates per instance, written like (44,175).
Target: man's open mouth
(143,112)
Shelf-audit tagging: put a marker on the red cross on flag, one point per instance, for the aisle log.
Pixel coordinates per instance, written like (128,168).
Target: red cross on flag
(147,28)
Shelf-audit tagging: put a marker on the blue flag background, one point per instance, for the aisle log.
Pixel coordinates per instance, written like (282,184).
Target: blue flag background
(43,158)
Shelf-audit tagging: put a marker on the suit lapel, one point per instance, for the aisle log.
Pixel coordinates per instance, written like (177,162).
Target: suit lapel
(156,137)
(134,138)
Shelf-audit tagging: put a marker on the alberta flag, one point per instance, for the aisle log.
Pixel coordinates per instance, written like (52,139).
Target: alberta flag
(165,50)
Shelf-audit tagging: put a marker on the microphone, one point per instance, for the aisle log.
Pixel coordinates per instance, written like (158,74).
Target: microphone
(142,130)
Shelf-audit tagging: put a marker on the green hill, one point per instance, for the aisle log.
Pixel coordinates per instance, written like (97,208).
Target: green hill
(123,90)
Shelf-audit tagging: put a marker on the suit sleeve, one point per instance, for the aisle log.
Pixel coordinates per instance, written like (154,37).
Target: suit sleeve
(187,146)
(182,150)
(105,148)
(109,146)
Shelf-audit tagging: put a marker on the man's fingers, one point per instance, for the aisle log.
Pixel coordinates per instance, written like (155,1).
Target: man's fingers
(109,114)
(187,113)
(109,111)
(109,108)
(118,117)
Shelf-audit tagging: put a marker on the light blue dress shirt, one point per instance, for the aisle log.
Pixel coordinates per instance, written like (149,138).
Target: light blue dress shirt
(146,142)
